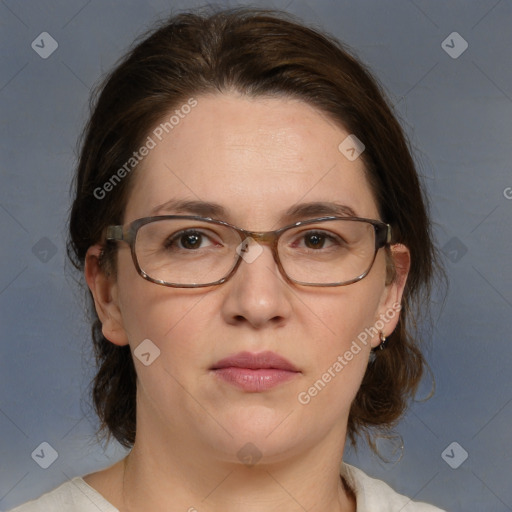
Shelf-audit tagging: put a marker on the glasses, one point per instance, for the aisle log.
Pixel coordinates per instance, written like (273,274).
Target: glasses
(184,251)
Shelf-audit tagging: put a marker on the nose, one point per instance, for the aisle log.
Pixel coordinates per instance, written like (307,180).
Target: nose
(257,295)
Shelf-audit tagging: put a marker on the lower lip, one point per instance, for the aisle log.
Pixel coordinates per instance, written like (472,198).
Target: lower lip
(261,379)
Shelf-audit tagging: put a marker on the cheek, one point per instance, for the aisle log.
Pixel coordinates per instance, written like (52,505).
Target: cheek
(163,315)
(338,361)
(342,314)
(344,339)
(147,309)
(174,320)
(339,325)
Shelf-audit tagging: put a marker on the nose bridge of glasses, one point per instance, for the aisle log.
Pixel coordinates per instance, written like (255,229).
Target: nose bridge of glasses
(262,237)
(268,238)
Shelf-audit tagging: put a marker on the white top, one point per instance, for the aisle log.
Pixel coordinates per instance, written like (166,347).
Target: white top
(371,496)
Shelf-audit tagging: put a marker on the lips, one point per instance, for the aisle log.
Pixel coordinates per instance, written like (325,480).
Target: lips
(255,373)
(264,360)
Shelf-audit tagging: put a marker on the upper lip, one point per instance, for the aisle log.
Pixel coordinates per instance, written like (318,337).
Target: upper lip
(263,360)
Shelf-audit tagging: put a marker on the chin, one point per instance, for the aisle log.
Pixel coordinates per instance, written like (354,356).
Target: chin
(257,432)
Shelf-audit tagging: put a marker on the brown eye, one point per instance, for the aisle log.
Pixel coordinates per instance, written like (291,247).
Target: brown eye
(187,240)
(191,240)
(314,241)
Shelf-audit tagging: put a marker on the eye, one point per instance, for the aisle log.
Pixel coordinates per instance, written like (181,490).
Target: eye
(319,240)
(189,240)
(314,240)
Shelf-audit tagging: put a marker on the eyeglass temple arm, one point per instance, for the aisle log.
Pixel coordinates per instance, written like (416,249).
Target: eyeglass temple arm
(115,233)
(384,235)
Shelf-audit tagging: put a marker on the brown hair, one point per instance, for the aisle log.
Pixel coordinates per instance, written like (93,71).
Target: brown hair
(257,53)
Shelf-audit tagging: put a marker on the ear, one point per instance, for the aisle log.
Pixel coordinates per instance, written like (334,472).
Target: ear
(389,306)
(104,290)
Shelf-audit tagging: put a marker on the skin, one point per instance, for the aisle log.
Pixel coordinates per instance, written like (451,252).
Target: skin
(256,158)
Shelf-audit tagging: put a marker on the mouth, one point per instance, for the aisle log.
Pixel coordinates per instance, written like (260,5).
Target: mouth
(255,372)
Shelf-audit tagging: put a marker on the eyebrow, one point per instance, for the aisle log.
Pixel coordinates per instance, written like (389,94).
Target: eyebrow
(318,209)
(193,207)
(295,212)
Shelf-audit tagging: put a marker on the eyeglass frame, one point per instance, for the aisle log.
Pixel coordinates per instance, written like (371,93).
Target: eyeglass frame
(128,233)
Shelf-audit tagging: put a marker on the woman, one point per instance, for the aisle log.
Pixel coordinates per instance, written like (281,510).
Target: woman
(254,236)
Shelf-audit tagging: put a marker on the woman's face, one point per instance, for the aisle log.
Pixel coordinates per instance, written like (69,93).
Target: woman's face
(257,159)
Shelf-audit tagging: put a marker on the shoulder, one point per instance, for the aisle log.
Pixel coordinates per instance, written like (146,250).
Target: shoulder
(372,494)
(72,496)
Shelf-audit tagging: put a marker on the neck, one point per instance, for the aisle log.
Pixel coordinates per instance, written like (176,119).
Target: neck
(159,476)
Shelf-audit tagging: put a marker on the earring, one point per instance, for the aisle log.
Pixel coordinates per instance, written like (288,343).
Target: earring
(383,338)
(381,346)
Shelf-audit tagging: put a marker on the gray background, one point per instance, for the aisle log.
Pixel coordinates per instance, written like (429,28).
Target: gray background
(458,114)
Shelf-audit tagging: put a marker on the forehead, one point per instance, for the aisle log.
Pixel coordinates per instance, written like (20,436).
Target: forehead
(255,157)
